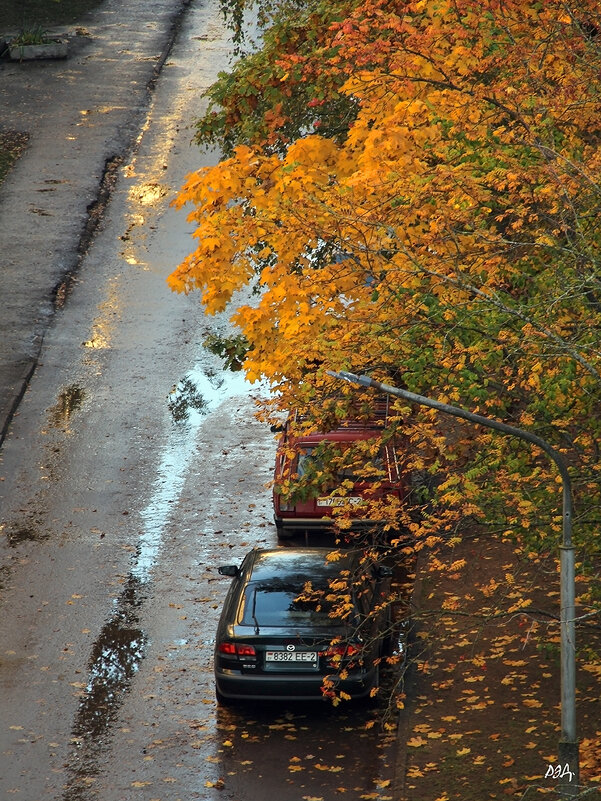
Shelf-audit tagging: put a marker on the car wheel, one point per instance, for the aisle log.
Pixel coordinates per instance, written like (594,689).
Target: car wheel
(221,699)
(283,533)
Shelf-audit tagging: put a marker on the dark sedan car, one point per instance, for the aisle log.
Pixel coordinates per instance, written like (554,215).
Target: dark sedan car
(297,625)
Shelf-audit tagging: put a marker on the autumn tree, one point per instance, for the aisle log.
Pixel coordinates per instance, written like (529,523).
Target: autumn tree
(448,239)
(413,189)
(277,93)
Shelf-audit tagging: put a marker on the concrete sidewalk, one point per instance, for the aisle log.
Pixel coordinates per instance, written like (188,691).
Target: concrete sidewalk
(83,116)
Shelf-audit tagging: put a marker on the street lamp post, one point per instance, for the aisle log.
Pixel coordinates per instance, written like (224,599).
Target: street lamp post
(568,744)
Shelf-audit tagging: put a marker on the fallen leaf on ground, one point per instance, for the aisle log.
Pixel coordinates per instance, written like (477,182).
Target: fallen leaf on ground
(416,742)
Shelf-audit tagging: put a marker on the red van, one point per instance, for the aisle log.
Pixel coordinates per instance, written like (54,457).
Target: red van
(303,508)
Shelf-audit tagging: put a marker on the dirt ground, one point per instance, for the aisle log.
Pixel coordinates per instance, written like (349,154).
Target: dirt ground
(484,702)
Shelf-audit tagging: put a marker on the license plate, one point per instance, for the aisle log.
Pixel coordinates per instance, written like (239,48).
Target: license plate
(353,501)
(291,656)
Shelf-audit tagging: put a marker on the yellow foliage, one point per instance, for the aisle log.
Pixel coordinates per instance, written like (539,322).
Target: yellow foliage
(449,242)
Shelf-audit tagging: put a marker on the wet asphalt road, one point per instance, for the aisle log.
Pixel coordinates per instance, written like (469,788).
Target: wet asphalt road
(133,467)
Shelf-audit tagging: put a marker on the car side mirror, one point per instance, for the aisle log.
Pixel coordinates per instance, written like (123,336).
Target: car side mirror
(229,570)
(383,571)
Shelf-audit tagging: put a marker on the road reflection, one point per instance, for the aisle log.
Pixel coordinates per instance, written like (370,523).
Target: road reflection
(304,751)
(115,658)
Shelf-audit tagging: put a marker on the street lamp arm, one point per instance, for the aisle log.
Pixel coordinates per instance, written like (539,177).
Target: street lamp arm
(568,745)
(456,411)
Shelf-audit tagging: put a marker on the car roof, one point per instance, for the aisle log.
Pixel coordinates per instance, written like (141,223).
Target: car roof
(348,429)
(337,435)
(296,562)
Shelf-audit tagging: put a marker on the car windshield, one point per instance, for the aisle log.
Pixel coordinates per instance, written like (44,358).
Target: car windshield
(283,603)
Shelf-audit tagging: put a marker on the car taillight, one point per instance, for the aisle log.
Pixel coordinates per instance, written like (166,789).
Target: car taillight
(335,654)
(236,649)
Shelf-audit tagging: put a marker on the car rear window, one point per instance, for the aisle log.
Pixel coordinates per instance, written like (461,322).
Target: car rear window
(285,604)
(310,463)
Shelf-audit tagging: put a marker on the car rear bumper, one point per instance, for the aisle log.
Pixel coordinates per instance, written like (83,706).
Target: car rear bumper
(319,523)
(235,685)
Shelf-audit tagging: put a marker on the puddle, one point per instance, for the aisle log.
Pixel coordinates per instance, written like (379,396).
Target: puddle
(148,193)
(116,657)
(69,400)
(185,399)
(199,392)
(122,644)
(15,535)
(191,400)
